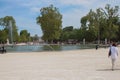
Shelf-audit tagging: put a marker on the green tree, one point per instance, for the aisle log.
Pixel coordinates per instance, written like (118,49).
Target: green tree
(3,35)
(36,38)
(5,23)
(89,27)
(66,32)
(50,22)
(111,15)
(68,28)
(69,33)
(118,33)
(95,19)
(24,36)
(101,24)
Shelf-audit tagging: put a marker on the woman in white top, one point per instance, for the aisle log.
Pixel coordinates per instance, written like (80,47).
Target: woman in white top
(113,54)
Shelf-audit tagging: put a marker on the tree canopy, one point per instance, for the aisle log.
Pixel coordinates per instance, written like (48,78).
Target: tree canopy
(50,22)
(24,36)
(5,32)
(96,25)
(4,22)
(102,22)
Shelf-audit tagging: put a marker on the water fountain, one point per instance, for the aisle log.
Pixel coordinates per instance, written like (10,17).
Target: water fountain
(84,41)
(10,32)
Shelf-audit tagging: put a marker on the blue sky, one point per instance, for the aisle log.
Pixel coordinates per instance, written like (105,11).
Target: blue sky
(26,11)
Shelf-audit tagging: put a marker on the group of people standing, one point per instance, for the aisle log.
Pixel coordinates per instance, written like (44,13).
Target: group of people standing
(113,53)
(2,49)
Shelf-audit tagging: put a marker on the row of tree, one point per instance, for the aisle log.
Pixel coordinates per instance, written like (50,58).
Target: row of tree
(102,23)
(96,25)
(23,36)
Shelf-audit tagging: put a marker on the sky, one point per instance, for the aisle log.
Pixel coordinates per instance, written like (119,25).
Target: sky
(25,11)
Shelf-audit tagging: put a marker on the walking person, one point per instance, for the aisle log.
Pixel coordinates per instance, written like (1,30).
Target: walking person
(113,53)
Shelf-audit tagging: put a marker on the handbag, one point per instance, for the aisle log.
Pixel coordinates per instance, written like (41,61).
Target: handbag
(109,54)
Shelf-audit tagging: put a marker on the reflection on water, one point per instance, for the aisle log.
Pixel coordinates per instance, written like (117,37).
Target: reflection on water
(51,48)
(39,48)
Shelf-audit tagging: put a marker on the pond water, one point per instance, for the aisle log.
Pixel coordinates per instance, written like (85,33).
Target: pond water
(39,48)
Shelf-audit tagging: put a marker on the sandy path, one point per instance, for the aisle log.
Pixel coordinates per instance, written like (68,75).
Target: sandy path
(88,64)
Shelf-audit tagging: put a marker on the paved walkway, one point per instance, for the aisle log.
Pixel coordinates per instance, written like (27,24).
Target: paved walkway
(65,65)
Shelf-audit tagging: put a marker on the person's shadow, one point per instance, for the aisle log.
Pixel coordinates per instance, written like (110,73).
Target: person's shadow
(107,69)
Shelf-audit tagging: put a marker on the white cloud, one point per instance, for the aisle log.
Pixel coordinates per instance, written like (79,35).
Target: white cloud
(29,25)
(35,3)
(73,2)
(73,18)
(35,9)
